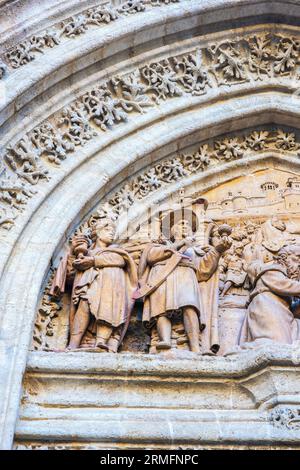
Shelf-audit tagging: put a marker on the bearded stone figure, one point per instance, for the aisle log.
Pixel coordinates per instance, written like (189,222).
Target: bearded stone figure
(104,282)
(169,277)
(275,285)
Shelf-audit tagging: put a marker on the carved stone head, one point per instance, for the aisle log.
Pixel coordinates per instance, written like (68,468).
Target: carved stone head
(289,257)
(238,249)
(104,230)
(250,227)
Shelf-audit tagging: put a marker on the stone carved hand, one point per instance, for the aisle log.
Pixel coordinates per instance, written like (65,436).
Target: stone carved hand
(223,244)
(84,263)
(78,240)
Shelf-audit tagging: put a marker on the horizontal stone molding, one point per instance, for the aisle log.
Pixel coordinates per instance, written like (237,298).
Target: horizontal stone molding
(191,366)
(189,401)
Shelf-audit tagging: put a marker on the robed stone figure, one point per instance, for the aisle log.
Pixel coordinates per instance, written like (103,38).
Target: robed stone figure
(275,284)
(104,282)
(169,277)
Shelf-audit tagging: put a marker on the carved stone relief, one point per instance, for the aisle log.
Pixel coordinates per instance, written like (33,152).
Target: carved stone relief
(288,418)
(39,153)
(27,51)
(156,176)
(218,278)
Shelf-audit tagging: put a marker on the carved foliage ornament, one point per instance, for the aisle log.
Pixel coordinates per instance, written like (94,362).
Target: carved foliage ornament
(30,48)
(48,311)
(288,418)
(41,151)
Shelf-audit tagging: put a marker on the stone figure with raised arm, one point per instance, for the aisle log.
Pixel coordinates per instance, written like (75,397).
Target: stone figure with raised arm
(103,286)
(169,282)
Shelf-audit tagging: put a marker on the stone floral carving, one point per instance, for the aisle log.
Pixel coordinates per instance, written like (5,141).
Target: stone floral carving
(258,140)
(132,6)
(102,14)
(77,25)
(287,55)
(230,62)
(25,162)
(75,126)
(229,149)
(102,108)
(229,65)
(260,56)
(131,93)
(3,69)
(197,161)
(288,418)
(146,184)
(13,197)
(37,155)
(25,52)
(48,142)
(162,80)
(169,277)
(257,57)
(194,75)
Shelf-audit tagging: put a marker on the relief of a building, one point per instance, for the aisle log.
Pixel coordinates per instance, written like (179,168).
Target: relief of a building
(150,225)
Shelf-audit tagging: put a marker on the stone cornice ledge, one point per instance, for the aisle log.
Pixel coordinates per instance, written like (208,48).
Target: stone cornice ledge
(188,365)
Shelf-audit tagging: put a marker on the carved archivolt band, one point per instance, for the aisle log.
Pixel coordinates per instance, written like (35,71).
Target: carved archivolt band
(27,51)
(228,63)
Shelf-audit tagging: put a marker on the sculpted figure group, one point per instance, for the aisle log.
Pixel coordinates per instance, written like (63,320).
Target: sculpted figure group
(178,280)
